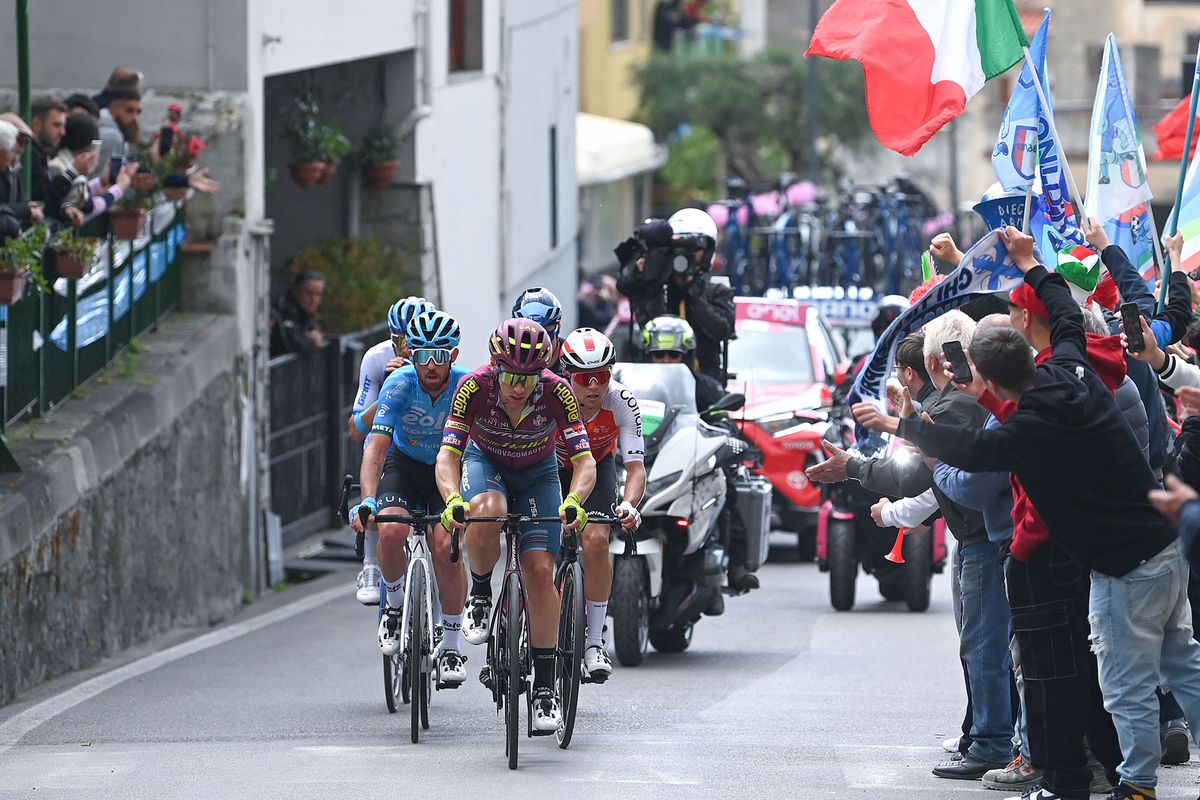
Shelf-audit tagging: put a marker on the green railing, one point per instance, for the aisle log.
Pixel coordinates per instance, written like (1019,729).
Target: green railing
(52,343)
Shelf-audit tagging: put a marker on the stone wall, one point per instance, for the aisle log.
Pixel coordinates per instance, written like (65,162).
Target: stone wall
(130,515)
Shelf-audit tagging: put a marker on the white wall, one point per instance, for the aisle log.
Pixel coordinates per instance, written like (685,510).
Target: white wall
(492,202)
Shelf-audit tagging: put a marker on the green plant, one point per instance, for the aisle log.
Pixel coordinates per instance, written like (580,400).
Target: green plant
(25,252)
(306,133)
(335,145)
(136,199)
(379,146)
(363,277)
(72,244)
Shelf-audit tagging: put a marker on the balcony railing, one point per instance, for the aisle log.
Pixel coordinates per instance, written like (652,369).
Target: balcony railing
(50,344)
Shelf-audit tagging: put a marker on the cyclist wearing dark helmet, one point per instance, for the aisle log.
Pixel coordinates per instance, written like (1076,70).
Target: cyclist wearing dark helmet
(499,442)
(542,306)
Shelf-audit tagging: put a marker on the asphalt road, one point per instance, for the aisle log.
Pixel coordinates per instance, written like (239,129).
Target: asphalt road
(781,697)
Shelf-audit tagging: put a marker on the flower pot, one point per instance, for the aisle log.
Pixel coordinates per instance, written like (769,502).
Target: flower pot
(68,266)
(176,193)
(128,223)
(378,174)
(12,285)
(328,171)
(306,173)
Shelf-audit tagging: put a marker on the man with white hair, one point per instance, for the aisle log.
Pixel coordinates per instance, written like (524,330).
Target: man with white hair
(12,201)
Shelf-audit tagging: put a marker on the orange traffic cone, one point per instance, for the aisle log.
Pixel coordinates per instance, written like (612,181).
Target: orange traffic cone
(897,554)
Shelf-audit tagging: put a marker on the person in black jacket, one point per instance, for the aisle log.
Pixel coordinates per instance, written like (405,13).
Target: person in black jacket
(1083,470)
(683,247)
(294,324)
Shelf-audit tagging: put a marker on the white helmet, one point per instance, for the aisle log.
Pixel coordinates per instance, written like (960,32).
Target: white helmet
(692,222)
(588,348)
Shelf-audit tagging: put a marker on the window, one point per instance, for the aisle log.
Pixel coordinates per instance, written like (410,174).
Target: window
(553,186)
(466,35)
(620,20)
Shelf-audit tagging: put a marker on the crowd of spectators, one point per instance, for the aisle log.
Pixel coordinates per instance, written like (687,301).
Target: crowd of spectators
(85,154)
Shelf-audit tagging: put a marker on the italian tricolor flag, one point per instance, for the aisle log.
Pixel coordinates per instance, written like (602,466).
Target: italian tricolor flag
(922,60)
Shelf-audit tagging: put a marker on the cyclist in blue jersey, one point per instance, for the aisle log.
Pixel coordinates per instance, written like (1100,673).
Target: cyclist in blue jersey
(378,362)
(542,306)
(414,405)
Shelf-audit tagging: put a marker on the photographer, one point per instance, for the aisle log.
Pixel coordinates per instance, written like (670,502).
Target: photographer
(664,270)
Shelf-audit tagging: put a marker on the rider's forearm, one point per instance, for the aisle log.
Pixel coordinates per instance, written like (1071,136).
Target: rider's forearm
(448,472)
(583,475)
(635,482)
(372,463)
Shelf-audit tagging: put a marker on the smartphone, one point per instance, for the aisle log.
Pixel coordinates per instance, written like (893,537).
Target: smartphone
(1131,321)
(114,168)
(958,361)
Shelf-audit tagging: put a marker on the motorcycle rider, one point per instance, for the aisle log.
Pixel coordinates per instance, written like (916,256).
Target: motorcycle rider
(611,416)
(670,340)
(686,242)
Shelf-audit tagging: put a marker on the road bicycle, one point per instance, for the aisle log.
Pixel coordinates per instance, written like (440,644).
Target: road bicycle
(410,674)
(509,668)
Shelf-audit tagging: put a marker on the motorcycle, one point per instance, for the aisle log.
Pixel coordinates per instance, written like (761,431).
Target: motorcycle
(848,538)
(660,592)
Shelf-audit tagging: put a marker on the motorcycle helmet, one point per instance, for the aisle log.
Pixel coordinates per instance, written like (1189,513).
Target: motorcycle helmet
(402,313)
(433,329)
(586,349)
(540,305)
(521,345)
(668,334)
(889,308)
(693,229)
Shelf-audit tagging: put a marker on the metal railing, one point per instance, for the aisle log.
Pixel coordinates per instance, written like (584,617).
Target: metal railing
(311,394)
(52,343)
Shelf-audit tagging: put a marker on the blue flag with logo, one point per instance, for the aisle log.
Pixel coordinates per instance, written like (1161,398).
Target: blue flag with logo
(1015,157)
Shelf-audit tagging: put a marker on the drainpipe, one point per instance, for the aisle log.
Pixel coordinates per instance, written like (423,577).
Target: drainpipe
(424,65)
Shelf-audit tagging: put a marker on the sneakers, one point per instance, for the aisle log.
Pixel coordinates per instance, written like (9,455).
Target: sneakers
(596,664)
(452,669)
(389,630)
(546,715)
(1018,775)
(1175,745)
(369,579)
(953,744)
(475,620)
(742,579)
(1036,793)
(1128,791)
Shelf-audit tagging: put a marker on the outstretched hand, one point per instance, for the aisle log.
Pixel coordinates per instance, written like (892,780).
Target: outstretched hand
(832,469)
(871,417)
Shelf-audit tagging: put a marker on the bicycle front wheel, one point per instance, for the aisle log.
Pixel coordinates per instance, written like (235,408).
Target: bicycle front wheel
(512,647)
(416,648)
(572,621)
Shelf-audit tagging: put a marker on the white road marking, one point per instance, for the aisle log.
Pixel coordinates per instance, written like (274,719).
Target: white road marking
(17,727)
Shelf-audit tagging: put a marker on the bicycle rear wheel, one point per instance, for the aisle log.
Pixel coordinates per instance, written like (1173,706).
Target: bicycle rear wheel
(416,648)
(572,621)
(515,617)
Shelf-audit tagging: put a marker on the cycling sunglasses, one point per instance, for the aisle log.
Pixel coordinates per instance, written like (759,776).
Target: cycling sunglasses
(424,355)
(516,378)
(399,342)
(592,377)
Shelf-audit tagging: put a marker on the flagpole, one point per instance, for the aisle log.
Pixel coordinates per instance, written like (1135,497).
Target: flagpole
(1028,203)
(1076,203)
(1173,223)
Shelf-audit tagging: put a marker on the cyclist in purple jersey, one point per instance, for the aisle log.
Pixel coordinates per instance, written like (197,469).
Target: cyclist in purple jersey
(499,444)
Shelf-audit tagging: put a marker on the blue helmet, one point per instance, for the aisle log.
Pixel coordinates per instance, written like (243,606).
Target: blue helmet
(403,312)
(433,329)
(541,306)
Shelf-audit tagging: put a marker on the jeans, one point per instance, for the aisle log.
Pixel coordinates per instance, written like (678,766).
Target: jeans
(1142,637)
(1063,705)
(964,741)
(983,644)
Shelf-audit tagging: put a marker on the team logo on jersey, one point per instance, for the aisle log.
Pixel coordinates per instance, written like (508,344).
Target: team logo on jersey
(538,421)
(462,398)
(563,393)
(383,410)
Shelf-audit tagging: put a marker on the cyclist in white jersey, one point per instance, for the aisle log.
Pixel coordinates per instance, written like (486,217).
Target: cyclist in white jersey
(379,362)
(614,426)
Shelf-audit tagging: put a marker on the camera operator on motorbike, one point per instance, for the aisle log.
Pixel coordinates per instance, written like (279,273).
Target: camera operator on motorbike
(611,415)
(670,340)
(499,443)
(664,270)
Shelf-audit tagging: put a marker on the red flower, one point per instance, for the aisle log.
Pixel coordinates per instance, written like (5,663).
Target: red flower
(194,146)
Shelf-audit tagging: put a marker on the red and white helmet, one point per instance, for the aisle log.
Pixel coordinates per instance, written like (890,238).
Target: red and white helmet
(588,348)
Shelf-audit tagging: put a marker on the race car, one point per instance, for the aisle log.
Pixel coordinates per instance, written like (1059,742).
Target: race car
(786,361)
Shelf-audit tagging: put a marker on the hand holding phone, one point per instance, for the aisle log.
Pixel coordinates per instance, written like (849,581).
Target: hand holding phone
(1131,323)
(959,365)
